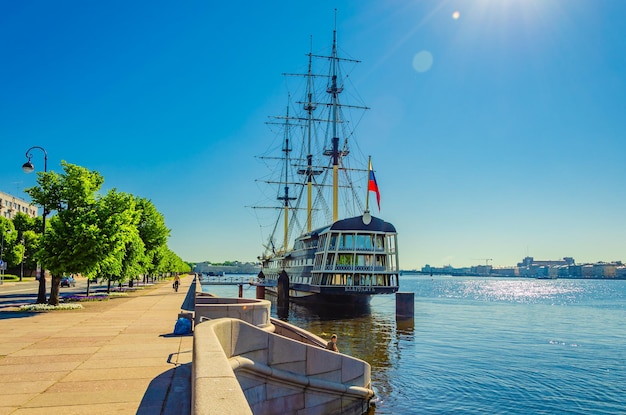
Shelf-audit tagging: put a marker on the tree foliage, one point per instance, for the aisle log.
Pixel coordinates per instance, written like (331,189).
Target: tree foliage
(10,246)
(116,236)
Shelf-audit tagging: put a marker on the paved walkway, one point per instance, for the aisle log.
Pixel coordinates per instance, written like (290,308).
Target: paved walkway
(115,356)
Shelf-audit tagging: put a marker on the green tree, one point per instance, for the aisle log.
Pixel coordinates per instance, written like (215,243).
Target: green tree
(31,246)
(118,236)
(73,241)
(153,233)
(11,249)
(118,220)
(28,230)
(23,222)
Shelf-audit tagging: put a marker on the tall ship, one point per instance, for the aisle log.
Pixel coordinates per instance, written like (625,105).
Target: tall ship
(341,254)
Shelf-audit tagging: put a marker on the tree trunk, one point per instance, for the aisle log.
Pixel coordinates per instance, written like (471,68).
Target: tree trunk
(54,290)
(109,286)
(41,292)
(88,283)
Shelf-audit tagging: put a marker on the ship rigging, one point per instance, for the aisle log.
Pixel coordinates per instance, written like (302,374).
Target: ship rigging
(332,260)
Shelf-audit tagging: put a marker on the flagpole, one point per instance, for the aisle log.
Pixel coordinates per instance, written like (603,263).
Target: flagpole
(367,187)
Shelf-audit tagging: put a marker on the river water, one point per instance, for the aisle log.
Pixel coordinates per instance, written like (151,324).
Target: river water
(487,345)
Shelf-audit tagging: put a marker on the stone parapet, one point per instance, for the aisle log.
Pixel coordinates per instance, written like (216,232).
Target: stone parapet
(274,374)
(255,312)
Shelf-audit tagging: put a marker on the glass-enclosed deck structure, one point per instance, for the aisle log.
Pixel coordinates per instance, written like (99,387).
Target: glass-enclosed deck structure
(347,261)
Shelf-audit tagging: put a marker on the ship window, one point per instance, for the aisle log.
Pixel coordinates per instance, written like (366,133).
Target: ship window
(347,241)
(345,259)
(380,260)
(364,242)
(364,260)
(333,241)
(358,279)
(390,244)
(330,259)
(379,242)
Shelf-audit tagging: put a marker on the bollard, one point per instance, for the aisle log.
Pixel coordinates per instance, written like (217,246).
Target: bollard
(260,292)
(405,306)
(282,291)
(240,290)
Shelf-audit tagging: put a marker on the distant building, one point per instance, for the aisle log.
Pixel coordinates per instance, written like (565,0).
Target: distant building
(11,205)
(588,271)
(604,270)
(506,272)
(481,269)
(531,262)
(575,271)
(620,272)
(530,267)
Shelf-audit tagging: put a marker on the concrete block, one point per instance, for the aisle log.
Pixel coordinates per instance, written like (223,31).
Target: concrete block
(261,316)
(332,376)
(321,360)
(216,366)
(352,406)
(257,356)
(322,401)
(293,367)
(280,390)
(255,394)
(354,372)
(283,405)
(248,381)
(283,350)
(223,332)
(219,396)
(248,338)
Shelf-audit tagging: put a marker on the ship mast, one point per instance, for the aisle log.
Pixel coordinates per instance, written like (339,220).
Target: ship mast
(334,88)
(285,197)
(334,91)
(309,107)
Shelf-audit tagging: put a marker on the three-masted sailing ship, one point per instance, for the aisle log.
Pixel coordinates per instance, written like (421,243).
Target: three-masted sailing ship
(336,261)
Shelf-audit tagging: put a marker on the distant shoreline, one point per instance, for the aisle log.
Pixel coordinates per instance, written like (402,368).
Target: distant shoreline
(468,274)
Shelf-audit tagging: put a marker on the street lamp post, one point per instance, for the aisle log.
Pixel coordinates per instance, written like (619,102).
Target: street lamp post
(23,258)
(2,263)
(28,167)
(1,259)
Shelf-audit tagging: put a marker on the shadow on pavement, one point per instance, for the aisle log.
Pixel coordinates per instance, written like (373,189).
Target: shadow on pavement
(176,335)
(5,315)
(169,393)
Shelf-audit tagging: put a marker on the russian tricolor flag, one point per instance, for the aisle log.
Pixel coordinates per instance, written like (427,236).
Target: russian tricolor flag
(372,186)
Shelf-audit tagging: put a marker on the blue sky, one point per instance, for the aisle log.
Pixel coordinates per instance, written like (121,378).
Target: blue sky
(511,143)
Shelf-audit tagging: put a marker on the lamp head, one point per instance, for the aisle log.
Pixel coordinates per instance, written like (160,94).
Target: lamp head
(28,167)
